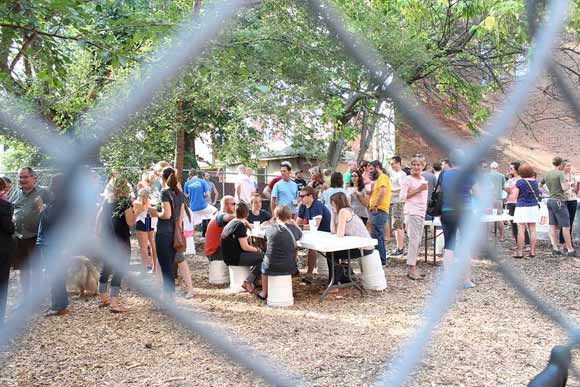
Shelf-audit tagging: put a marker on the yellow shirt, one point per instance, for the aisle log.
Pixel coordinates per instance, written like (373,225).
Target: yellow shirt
(382,181)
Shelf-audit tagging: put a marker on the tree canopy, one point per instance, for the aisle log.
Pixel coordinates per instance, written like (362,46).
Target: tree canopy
(278,66)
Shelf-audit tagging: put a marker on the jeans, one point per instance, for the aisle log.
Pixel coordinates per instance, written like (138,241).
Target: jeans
(341,271)
(254,260)
(4,275)
(118,275)
(58,294)
(166,258)
(572,205)
(378,220)
(450,224)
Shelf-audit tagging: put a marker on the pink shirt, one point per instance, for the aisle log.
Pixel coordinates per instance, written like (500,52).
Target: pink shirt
(417,204)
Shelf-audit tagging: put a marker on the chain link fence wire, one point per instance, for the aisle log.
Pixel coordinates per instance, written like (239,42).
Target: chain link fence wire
(110,115)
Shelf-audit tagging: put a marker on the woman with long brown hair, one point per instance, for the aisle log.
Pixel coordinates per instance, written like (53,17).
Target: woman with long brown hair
(172,210)
(344,222)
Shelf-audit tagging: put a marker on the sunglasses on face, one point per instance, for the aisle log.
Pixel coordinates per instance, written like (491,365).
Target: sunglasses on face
(303,196)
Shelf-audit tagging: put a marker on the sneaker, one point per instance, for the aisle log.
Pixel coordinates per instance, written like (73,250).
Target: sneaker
(398,253)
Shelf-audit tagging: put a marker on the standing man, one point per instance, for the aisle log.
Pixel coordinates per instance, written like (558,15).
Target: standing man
(28,206)
(557,209)
(396,207)
(213,192)
(299,179)
(312,209)
(267,192)
(198,192)
(285,192)
(497,182)
(244,186)
(379,206)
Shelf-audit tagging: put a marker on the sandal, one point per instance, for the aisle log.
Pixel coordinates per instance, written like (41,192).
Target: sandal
(260,297)
(518,256)
(414,277)
(118,309)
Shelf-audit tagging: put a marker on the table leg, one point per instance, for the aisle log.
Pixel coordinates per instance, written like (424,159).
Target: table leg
(434,245)
(425,229)
(330,276)
(356,284)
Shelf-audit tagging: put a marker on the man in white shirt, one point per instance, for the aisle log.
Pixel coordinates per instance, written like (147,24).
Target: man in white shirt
(396,208)
(244,186)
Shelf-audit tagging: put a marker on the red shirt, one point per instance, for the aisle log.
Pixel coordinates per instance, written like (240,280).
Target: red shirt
(273,182)
(213,237)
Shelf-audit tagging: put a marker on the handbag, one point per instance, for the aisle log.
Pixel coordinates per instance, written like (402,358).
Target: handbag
(533,192)
(435,202)
(179,241)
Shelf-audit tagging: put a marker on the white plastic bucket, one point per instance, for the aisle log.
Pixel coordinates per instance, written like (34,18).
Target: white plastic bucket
(321,265)
(238,275)
(218,273)
(373,275)
(280,290)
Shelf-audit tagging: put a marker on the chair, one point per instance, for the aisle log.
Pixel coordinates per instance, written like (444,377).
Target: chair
(373,275)
(280,290)
(238,275)
(218,273)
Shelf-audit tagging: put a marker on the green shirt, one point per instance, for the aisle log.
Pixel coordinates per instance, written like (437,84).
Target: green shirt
(497,182)
(26,215)
(554,180)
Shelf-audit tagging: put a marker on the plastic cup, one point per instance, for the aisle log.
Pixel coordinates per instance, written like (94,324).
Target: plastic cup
(256,225)
(494,212)
(312,224)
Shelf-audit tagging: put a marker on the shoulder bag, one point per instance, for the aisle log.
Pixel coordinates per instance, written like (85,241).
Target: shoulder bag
(533,192)
(179,241)
(436,200)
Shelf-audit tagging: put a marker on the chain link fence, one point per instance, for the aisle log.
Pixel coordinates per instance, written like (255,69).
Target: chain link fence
(187,45)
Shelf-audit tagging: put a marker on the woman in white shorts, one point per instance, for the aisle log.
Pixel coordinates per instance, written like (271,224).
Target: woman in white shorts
(527,208)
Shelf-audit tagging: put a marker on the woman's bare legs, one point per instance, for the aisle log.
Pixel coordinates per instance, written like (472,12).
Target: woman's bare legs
(143,239)
(185,274)
(151,240)
(264,292)
(521,236)
(533,240)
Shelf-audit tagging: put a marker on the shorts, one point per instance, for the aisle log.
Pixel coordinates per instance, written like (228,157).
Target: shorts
(397,215)
(24,250)
(558,213)
(144,226)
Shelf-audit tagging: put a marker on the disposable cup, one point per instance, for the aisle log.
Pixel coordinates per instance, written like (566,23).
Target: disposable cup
(256,225)
(312,224)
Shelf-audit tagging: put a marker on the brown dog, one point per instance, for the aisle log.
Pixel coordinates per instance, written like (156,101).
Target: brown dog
(81,277)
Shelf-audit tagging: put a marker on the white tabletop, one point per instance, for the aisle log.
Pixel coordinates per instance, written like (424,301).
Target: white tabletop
(326,242)
(484,219)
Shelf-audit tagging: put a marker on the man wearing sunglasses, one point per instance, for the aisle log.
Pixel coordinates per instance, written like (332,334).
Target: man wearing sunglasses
(312,209)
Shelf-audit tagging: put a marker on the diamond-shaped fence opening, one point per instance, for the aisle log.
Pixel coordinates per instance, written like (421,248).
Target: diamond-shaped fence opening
(186,47)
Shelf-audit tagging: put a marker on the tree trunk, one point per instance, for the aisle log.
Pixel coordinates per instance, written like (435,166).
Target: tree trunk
(335,146)
(179,140)
(368,131)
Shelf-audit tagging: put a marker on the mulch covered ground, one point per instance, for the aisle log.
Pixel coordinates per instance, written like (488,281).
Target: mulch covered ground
(490,337)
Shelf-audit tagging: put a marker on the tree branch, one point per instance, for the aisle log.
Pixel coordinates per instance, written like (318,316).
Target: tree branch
(27,42)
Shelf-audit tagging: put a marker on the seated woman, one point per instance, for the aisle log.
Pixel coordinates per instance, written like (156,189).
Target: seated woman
(236,249)
(344,222)
(280,258)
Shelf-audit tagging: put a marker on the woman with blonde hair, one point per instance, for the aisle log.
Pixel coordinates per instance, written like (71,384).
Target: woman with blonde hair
(145,230)
(280,257)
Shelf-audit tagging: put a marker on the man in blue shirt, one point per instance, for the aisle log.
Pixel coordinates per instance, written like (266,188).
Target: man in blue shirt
(285,192)
(197,190)
(312,209)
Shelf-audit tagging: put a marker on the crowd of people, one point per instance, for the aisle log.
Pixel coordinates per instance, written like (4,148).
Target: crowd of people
(368,200)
